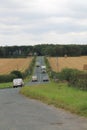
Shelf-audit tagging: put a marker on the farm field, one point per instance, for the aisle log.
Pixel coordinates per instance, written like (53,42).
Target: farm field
(9,64)
(60,63)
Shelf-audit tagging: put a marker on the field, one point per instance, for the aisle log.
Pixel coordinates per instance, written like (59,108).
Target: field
(59,63)
(9,64)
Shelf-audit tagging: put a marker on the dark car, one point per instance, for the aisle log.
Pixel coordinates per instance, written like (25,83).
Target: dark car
(45,78)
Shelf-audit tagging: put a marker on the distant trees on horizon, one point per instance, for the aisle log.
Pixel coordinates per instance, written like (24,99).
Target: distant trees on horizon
(43,49)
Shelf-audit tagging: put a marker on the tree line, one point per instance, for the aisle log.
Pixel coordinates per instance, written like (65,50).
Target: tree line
(43,49)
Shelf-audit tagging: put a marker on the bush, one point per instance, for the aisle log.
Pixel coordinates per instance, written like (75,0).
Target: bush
(17,73)
(49,69)
(82,81)
(68,74)
(7,78)
(74,77)
(29,70)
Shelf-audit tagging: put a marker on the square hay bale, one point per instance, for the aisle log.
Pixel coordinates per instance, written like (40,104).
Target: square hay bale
(85,67)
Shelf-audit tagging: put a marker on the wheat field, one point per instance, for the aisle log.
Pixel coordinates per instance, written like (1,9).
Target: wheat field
(59,63)
(9,64)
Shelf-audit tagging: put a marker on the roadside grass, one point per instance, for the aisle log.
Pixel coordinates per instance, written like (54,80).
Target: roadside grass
(5,85)
(59,95)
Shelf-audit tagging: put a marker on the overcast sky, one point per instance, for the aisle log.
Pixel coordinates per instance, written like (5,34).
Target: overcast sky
(31,22)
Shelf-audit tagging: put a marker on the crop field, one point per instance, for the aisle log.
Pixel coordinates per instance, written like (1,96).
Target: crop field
(59,63)
(9,64)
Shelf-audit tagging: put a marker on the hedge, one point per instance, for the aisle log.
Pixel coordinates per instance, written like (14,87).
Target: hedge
(74,77)
(7,78)
(82,81)
(29,70)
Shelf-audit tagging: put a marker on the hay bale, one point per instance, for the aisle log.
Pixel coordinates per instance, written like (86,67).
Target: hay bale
(85,67)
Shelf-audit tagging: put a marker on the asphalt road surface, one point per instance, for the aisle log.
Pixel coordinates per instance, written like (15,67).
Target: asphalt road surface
(20,113)
(37,72)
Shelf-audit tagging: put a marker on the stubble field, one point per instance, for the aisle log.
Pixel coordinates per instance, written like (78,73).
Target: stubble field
(9,64)
(59,63)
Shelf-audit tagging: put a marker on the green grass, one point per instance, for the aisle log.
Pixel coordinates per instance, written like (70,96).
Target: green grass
(60,95)
(5,85)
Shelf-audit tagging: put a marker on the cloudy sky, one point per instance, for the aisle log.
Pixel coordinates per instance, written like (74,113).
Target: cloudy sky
(31,22)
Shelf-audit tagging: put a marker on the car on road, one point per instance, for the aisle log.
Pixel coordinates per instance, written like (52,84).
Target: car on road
(37,64)
(43,69)
(45,78)
(34,78)
(18,82)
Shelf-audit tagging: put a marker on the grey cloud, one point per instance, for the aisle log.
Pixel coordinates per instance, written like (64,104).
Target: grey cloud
(10,4)
(77,8)
(58,28)
(20,18)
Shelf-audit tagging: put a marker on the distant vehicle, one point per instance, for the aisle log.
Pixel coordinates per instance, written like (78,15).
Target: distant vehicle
(37,64)
(43,69)
(34,78)
(18,82)
(45,78)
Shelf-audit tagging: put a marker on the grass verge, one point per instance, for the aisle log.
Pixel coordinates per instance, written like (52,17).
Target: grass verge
(60,95)
(5,85)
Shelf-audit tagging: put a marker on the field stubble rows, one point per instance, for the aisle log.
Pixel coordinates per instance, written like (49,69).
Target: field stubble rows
(59,63)
(9,64)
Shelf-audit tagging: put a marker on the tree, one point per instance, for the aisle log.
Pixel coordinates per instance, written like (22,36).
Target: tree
(17,73)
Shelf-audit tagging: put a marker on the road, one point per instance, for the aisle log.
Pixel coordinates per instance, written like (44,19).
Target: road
(38,73)
(20,113)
